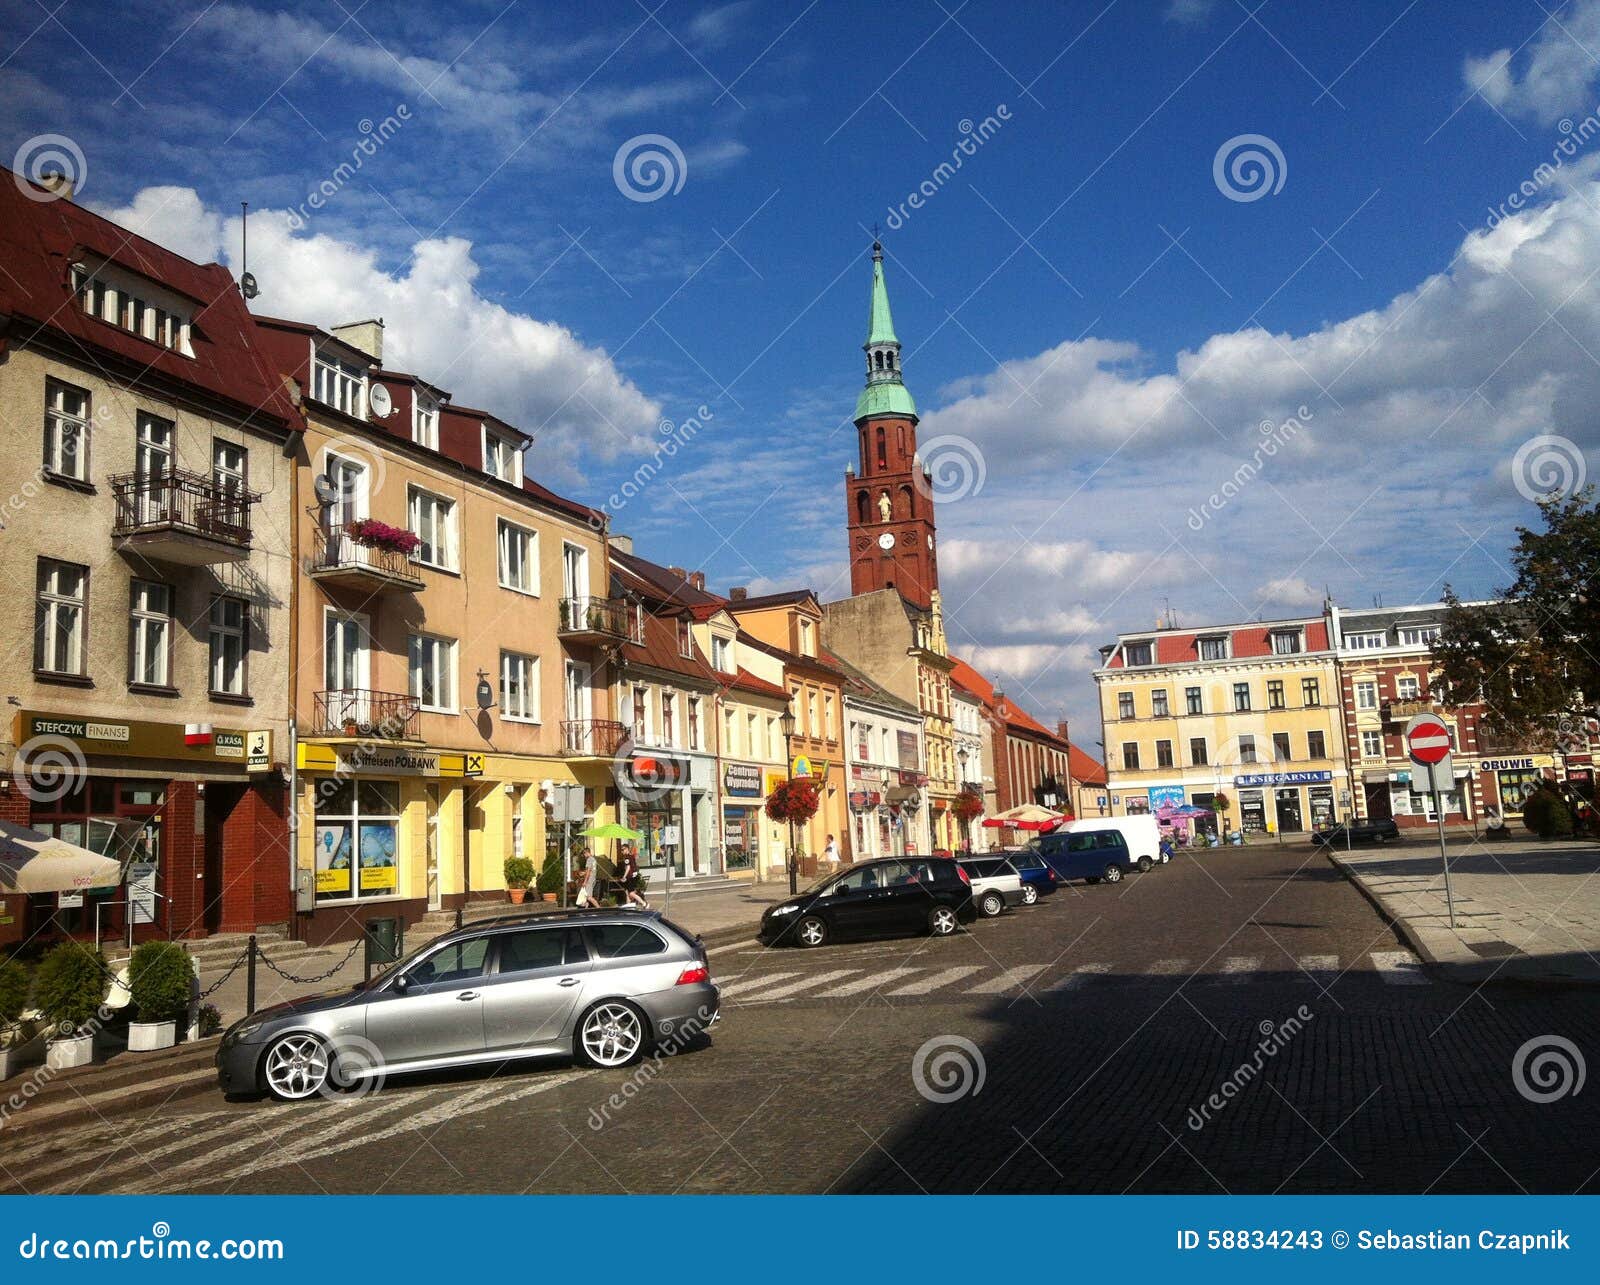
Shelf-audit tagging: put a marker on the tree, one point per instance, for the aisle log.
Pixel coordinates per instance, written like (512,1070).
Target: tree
(1531,658)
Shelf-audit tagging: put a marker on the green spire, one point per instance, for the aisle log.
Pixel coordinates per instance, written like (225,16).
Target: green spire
(880,328)
(885,393)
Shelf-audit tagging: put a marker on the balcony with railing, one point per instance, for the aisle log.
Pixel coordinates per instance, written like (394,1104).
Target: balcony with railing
(350,558)
(596,621)
(592,737)
(1398,711)
(182,517)
(361,714)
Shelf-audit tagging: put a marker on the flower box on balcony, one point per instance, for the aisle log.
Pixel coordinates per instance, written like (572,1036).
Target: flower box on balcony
(372,534)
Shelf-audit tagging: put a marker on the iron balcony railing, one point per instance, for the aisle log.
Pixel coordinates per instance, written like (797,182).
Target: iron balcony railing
(181,501)
(595,737)
(606,617)
(358,712)
(337,550)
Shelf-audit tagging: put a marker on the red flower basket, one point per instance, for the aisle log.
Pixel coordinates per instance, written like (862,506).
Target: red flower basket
(372,534)
(794,801)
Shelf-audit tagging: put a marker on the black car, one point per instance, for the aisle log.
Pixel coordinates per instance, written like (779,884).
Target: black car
(891,895)
(1353,833)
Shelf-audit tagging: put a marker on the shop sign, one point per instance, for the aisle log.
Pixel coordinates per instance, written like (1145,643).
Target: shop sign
(742,780)
(800,767)
(1284,778)
(658,771)
(1165,795)
(774,780)
(228,745)
(377,760)
(906,744)
(1524,764)
(258,752)
(130,738)
(864,800)
(913,779)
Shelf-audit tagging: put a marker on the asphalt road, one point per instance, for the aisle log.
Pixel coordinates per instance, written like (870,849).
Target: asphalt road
(1101,1029)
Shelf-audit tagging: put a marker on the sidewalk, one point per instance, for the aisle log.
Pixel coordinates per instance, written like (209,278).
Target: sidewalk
(1525,911)
(126,1081)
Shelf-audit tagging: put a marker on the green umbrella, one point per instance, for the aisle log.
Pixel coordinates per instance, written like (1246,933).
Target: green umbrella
(611,830)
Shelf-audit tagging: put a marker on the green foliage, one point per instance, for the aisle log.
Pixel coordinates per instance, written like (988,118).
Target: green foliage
(519,872)
(550,874)
(14,985)
(70,985)
(210,1019)
(159,977)
(1546,813)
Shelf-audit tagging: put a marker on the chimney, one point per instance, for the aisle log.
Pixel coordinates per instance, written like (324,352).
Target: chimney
(698,580)
(58,183)
(621,543)
(1061,729)
(678,573)
(364,336)
(738,593)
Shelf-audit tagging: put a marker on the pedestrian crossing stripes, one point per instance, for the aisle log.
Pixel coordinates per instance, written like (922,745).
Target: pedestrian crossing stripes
(1010,979)
(1238,968)
(1079,978)
(781,991)
(940,979)
(1399,967)
(744,984)
(872,981)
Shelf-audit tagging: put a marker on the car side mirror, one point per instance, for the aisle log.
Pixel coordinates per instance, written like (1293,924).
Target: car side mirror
(401,982)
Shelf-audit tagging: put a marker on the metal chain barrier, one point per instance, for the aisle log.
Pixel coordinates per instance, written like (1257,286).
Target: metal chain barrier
(232,969)
(320,977)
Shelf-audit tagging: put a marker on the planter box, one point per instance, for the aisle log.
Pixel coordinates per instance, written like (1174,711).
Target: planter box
(147,1037)
(19,1057)
(64,1054)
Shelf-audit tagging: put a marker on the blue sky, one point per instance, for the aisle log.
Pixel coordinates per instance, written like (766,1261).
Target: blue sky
(1089,321)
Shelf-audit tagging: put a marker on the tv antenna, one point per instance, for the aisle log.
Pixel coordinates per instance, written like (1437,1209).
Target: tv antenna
(247,283)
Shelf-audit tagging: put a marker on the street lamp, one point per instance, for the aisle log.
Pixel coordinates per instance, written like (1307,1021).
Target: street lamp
(966,822)
(787,723)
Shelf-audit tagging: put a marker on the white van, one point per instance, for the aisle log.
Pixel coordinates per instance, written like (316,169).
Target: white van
(1142,834)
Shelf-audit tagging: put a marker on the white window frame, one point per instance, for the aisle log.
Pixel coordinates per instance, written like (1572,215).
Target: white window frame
(1287,642)
(56,605)
(425,421)
(504,530)
(1217,640)
(491,462)
(1407,687)
(60,422)
(218,634)
(1371,744)
(530,708)
(362,651)
(443,656)
(1365,691)
(722,654)
(444,519)
(1365,640)
(150,632)
(338,383)
(1419,635)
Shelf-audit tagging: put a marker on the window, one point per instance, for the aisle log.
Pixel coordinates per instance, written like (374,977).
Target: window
(669,707)
(695,742)
(1369,640)
(1191,699)
(1281,751)
(433,521)
(125,308)
(808,643)
(1407,688)
(501,458)
(1241,698)
(66,431)
(1372,745)
(1197,751)
(641,717)
(339,384)
(1366,695)
(357,825)
(1163,753)
(519,568)
(1316,747)
(230,467)
(1275,693)
(537,948)
(227,637)
(685,639)
(813,728)
(1419,636)
(1130,756)
(60,628)
(617,941)
(519,687)
(1286,642)
(1124,704)
(1214,648)
(433,672)
(721,655)
(1310,692)
(827,715)
(1138,653)
(1247,749)
(150,634)
(1158,703)
(755,745)
(425,422)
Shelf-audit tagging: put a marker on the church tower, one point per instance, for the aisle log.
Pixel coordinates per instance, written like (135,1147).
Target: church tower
(889,498)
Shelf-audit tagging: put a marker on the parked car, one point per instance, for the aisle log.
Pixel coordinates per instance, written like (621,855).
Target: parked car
(1141,833)
(888,895)
(598,986)
(1090,855)
(1376,830)
(1038,879)
(995,884)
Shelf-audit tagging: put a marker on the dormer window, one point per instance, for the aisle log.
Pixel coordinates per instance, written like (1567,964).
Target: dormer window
(1138,653)
(1368,640)
(501,458)
(1286,642)
(338,383)
(722,654)
(685,640)
(1214,648)
(425,422)
(1419,635)
(808,642)
(140,308)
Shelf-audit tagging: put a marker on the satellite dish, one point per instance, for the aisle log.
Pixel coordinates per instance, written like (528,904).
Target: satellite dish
(248,287)
(382,403)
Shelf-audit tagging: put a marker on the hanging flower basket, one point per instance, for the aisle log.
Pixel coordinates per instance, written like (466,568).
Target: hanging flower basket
(967,806)
(794,801)
(372,534)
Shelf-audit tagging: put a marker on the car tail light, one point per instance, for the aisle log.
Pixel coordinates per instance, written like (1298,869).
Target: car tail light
(694,976)
(1051,873)
(962,871)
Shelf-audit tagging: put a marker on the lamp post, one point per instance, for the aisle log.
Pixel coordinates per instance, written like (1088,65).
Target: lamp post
(966,822)
(787,722)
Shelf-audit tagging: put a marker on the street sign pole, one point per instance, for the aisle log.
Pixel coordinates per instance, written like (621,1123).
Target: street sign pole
(1444,855)
(1428,743)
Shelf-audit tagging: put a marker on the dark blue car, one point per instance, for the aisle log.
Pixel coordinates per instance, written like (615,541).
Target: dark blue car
(1038,879)
(1090,855)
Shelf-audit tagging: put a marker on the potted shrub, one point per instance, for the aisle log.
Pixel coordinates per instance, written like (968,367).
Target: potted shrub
(70,985)
(549,885)
(159,976)
(519,874)
(21,1044)
(208,1021)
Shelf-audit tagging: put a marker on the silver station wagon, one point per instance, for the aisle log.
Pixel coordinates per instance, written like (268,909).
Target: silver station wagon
(603,987)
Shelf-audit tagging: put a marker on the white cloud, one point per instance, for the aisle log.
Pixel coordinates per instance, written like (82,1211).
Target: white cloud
(534,373)
(1292,592)
(1557,68)
(1190,13)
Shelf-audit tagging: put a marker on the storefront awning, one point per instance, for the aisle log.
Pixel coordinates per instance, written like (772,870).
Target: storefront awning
(33,862)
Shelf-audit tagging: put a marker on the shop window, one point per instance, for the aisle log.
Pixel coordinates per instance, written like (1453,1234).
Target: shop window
(356,829)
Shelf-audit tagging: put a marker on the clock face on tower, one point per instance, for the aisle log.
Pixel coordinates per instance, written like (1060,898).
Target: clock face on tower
(886,541)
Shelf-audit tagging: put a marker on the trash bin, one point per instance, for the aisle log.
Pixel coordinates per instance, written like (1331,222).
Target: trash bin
(385,940)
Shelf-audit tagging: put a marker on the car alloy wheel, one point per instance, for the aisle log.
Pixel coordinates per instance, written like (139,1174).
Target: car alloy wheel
(296,1067)
(992,904)
(1113,874)
(611,1034)
(942,921)
(811,931)
(1144,865)
(1030,894)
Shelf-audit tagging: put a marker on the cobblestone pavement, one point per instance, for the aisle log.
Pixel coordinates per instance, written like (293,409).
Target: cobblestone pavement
(1103,1026)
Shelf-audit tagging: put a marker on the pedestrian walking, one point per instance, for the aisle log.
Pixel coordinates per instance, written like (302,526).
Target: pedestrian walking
(588,870)
(630,879)
(830,854)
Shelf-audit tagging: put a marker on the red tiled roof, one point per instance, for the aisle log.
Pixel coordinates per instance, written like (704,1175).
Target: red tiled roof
(40,240)
(1085,768)
(970,680)
(659,650)
(745,681)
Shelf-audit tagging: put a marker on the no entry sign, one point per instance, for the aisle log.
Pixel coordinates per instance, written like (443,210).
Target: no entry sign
(1427,739)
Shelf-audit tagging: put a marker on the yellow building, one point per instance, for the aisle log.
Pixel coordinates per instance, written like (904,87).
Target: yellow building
(1249,712)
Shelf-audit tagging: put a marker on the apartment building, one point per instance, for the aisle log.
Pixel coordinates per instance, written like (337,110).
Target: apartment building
(884,756)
